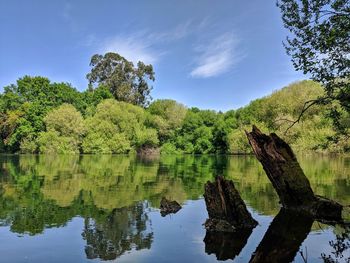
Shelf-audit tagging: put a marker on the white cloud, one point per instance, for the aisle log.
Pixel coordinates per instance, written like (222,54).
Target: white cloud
(67,8)
(136,47)
(219,56)
(143,45)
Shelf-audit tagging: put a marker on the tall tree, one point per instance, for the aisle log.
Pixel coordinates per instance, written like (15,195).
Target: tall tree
(125,81)
(319,45)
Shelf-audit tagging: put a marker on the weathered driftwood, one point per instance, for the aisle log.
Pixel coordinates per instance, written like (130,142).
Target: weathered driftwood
(168,207)
(283,238)
(287,177)
(226,245)
(225,207)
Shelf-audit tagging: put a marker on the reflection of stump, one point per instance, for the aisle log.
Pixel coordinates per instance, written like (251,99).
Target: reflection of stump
(287,177)
(225,206)
(226,245)
(283,238)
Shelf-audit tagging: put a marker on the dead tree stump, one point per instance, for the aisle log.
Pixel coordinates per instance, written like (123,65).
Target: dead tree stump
(169,207)
(287,177)
(226,209)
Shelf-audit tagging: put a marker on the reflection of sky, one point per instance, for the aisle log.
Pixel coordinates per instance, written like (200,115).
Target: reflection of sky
(177,238)
(63,244)
(317,243)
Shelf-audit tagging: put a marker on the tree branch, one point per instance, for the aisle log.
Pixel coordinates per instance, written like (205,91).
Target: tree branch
(308,104)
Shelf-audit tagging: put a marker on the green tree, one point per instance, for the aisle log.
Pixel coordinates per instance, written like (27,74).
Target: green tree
(65,129)
(125,81)
(203,140)
(146,138)
(66,120)
(168,116)
(51,142)
(24,105)
(115,128)
(220,132)
(319,45)
(92,97)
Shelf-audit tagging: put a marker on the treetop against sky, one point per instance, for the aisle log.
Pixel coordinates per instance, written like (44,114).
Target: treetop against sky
(205,54)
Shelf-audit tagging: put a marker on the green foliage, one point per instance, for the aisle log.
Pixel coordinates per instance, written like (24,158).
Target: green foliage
(65,129)
(237,142)
(167,117)
(92,97)
(51,142)
(147,138)
(40,116)
(319,45)
(115,127)
(169,148)
(276,112)
(125,81)
(98,143)
(24,106)
(28,145)
(66,120)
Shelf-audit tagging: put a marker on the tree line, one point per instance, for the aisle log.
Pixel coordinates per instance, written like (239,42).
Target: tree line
(40,116)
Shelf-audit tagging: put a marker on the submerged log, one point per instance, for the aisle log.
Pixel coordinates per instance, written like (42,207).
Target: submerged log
(287,177)
(283,238)
(169,207)
(225,207)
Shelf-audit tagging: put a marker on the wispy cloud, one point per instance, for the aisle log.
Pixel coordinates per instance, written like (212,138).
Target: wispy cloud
(219,56)
(144,45)
(135,47)
(68,17)
(66,13)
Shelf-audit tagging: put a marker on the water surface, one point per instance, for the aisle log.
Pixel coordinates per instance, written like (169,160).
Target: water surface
(105,208)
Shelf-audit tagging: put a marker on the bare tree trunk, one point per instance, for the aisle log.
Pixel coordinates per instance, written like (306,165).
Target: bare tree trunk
(287,177)
(225,206)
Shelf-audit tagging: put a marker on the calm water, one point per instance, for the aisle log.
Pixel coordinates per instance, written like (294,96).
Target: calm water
(99,208)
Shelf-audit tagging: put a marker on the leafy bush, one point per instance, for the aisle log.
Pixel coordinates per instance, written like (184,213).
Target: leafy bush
(169,148)
(51,142)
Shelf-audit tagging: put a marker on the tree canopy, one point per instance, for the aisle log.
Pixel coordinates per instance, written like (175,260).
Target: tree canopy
(319,45)
(40,116)
(125,81)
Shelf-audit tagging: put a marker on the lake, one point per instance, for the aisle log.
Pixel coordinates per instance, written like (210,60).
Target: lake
(71,208)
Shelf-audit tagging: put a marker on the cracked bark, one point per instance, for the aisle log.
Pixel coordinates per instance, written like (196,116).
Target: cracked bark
(226,209)
(288,179)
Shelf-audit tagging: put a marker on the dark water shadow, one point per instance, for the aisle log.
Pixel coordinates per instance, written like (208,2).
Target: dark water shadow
(283,238)
(226,245)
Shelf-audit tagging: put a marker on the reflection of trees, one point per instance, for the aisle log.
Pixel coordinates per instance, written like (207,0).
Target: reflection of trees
(113,181)
(123,230)
(37,192)
(340,247)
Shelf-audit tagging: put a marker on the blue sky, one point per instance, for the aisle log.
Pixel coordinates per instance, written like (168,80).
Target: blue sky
(209,54)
